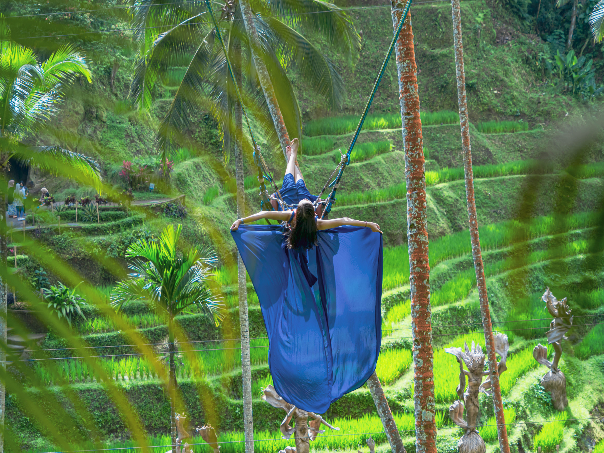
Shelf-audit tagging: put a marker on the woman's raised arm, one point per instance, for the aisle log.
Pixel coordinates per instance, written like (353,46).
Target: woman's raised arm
(271,215)
(334,223)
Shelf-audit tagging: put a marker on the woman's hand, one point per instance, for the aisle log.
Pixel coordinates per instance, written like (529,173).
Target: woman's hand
(235,225)
(374,227)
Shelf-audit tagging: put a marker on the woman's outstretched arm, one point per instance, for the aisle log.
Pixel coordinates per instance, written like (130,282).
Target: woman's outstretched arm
(334,223)
(271,215)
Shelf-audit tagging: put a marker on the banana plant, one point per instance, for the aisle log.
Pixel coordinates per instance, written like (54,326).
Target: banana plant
(578,74)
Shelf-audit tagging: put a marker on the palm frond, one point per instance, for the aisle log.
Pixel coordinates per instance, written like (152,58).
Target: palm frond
(63,66)
(61,162)
(327,18)
(596,20)
(290,109)
(162,49)
(190,90)
(317,69)
(18,85)
(36,110)
(127,290)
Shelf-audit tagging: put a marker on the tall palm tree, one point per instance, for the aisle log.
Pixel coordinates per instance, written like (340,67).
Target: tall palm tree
(30,95)
(181,34)
(596,20)
(192,43)
(573,20)
(475,239)
(417,236)
(172,282)
(234,110)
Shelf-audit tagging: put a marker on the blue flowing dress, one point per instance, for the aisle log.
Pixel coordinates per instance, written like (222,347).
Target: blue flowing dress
(321,308)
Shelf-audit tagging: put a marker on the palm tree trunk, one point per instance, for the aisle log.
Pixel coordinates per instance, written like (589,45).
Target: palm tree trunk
(475,240)
(417,236)
(381,404)
(571,30)
(265,80)
(246,364)
(172,386)
(3,301)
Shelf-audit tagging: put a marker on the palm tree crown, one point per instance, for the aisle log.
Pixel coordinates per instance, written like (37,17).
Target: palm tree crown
(31,93)
(178,41)
(171,281)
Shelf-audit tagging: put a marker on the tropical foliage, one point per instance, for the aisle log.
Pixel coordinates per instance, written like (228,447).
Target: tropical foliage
(63,302)
(189,56)
(172,282)
(31,93)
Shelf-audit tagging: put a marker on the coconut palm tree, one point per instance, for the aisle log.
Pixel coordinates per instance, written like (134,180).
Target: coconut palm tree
(172,282)
(182,35)
(192,43)
(417,235)
(30,95)
(596,20)
(475,239)
(573,20)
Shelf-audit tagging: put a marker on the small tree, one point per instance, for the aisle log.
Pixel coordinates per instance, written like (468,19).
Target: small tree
(172,282)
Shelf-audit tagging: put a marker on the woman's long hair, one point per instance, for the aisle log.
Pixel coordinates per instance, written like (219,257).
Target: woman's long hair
(303,228)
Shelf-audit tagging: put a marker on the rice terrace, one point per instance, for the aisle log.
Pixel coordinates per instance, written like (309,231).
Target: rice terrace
(296,226)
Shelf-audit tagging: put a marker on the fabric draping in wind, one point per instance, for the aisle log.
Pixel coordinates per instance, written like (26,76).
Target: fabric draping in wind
(321,308)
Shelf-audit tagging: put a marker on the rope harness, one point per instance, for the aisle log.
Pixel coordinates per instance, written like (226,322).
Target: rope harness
(263,170)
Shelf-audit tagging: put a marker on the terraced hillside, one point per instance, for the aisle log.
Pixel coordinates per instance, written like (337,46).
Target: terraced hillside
(521,261)
(554,249)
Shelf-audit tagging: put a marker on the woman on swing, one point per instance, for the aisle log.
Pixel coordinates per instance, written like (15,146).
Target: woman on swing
(303,222)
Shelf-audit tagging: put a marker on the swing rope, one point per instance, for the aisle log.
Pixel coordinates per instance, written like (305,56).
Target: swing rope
(263,171)
(345,161)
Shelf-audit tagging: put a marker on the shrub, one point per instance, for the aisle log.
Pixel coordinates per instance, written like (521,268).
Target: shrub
(499,127)
(489,431)
(366,151)
(593,170)
(175,210)
(210,195)
(317,145)
(518,364)
(551,434)
(260,384)
(345,124)
(392,364)
(599,448)
(63,302)
(396,314)
(399,191)
(592,299)
(113,227)
(592,344)
(250,182)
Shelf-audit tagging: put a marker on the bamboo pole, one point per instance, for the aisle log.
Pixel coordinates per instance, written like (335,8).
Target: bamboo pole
(15,252)
(76,205)
(98,218)
(59,217)
(473,224)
